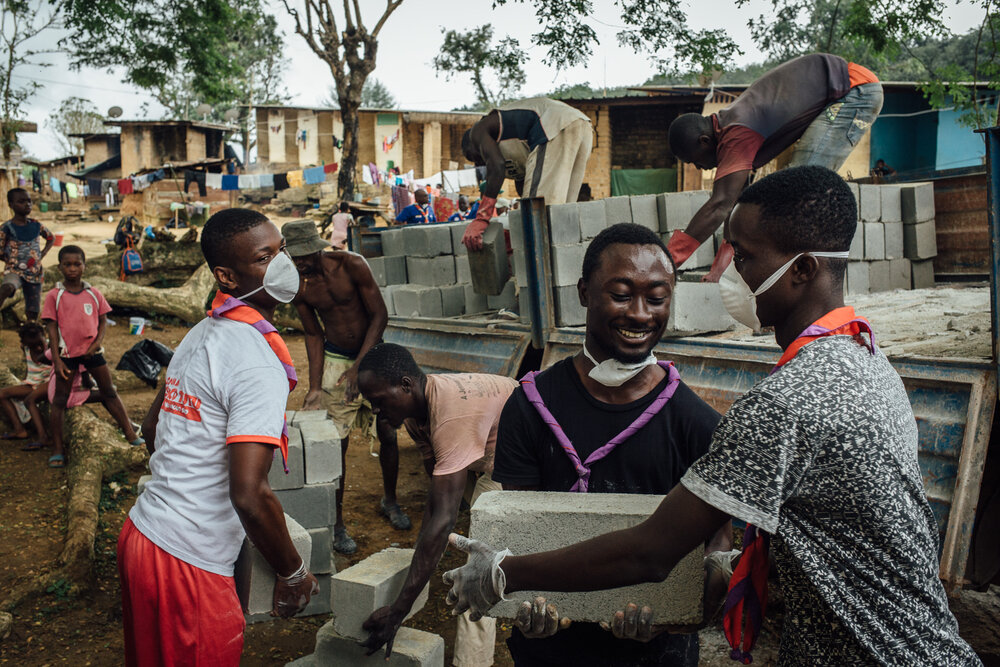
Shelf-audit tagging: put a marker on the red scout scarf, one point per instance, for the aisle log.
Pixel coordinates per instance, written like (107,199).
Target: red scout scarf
(748,586)
(583,467)
(232,308)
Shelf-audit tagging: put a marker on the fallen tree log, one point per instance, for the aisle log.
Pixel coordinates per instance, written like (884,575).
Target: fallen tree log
(187,302)
(163,263)
(96,451)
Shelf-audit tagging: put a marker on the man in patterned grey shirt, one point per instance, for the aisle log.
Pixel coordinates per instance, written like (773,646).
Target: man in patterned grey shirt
(821,455)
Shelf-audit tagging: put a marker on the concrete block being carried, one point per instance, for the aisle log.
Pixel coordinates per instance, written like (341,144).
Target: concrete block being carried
(321,449)
(411,648)
(697,306)
(418,301)
(389,270)
(256,575)
(321,557)
(296,417)
(532,521)
(506,299)
(295,478)
(426,241)
(373,583)
(917,202)
(474,302)
(489,266)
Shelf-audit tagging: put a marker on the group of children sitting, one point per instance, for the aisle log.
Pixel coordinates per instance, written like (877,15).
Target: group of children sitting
(65,359)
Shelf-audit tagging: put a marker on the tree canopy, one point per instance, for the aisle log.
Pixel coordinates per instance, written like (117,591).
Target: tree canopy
(497,71)
(75,116)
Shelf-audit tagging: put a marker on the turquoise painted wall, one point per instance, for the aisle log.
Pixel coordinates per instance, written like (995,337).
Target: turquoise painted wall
(958,145)
(908,143)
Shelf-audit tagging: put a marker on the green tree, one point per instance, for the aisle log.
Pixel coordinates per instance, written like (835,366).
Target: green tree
(225,53)
(20,23)
(374,95)
(75,116)
(497,72)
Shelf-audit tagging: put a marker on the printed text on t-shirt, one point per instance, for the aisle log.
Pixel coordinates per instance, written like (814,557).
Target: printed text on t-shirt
(177,402)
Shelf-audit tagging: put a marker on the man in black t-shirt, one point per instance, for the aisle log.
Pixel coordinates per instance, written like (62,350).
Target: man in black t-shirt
(627,284)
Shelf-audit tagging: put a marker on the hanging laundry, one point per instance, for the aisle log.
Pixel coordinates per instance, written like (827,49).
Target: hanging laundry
(314,175)
(197,177)
(214,181)
(330,168)
(401,198)
(375,175)
(54,184)
(84,190)
(125,186)
(230,182)
(72,191)
(281,181)
(366,176)
(389,142)
(140,183)
(295,179)
(267,180)
(443,208)
(244,182)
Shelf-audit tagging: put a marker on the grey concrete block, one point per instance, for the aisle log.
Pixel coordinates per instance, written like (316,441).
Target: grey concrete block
(453,300)
(474,302)
(920,240)
(411,648)
(870,203)
(457,230)
(567,264)
(463,272)
(698,199)
(313,506)
(569,312)
(879,276)
(141,484)
(856,191)
(489,267)
(516,228)
(893,239)
(891,211)
(922,274)
(276,477)
(297,417)
(322,602)
(617,209)
(917,202)
(506,299)
(857,278)
(321,558)
(261,583)
(390,308)
(697,306)
(531,521)
(519,260)
(858,243)
(388,270)
(426,241)
(433,271)
(321,449)
(702,257)
(874,240)
(373,583)
(899,273)
(418,301)
(524,305)
(593,218)
(673,210)
(564,224)
(644,212)
(392,241)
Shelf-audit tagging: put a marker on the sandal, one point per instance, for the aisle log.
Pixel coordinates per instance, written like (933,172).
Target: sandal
(397,517)
(32,447)
(13,436)
(57,461)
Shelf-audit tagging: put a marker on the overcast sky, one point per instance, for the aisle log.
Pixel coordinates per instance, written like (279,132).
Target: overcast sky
(407,44)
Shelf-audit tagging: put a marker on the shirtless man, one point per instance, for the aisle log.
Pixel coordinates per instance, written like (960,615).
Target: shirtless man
(339,289)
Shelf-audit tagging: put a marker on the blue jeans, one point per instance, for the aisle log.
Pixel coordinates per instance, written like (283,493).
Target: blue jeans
(835,132)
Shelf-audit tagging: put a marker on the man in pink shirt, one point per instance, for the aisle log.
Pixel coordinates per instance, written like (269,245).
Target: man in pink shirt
(453,419)
(341,221)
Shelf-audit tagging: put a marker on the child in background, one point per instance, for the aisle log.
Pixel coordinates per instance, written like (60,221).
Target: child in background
(31,390)
(76,316)
(22,253)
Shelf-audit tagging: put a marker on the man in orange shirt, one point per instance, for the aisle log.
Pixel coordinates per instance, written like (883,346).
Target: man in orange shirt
(453,419)
(820,103)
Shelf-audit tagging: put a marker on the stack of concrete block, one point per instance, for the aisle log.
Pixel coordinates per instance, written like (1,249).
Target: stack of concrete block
(425,272)
(357,592)
(307,493)
(895,242)
(531,521)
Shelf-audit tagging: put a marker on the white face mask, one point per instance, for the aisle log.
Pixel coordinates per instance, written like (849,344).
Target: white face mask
(281,279)
(614,373)
(741,301)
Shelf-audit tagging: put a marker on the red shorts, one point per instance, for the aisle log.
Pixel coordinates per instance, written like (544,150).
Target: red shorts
(175,613)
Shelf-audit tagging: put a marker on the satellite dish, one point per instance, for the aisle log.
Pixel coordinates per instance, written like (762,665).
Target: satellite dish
(203,109)
(115,112)
(231,114)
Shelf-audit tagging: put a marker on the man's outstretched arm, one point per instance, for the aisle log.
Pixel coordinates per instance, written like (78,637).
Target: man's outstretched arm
(647,552)
(440,513)
(725,192)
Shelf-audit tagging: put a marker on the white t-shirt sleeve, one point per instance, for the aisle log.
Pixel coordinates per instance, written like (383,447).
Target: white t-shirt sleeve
(255,402)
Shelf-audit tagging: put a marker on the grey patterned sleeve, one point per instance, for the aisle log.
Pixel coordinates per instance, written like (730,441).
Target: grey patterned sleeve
(757,458)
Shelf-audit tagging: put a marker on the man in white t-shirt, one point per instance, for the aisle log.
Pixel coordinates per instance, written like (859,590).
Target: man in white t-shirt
(213,431)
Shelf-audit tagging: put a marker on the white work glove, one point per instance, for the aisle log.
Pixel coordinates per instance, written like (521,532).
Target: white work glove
(539,620)
(480,583)
(719,567)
